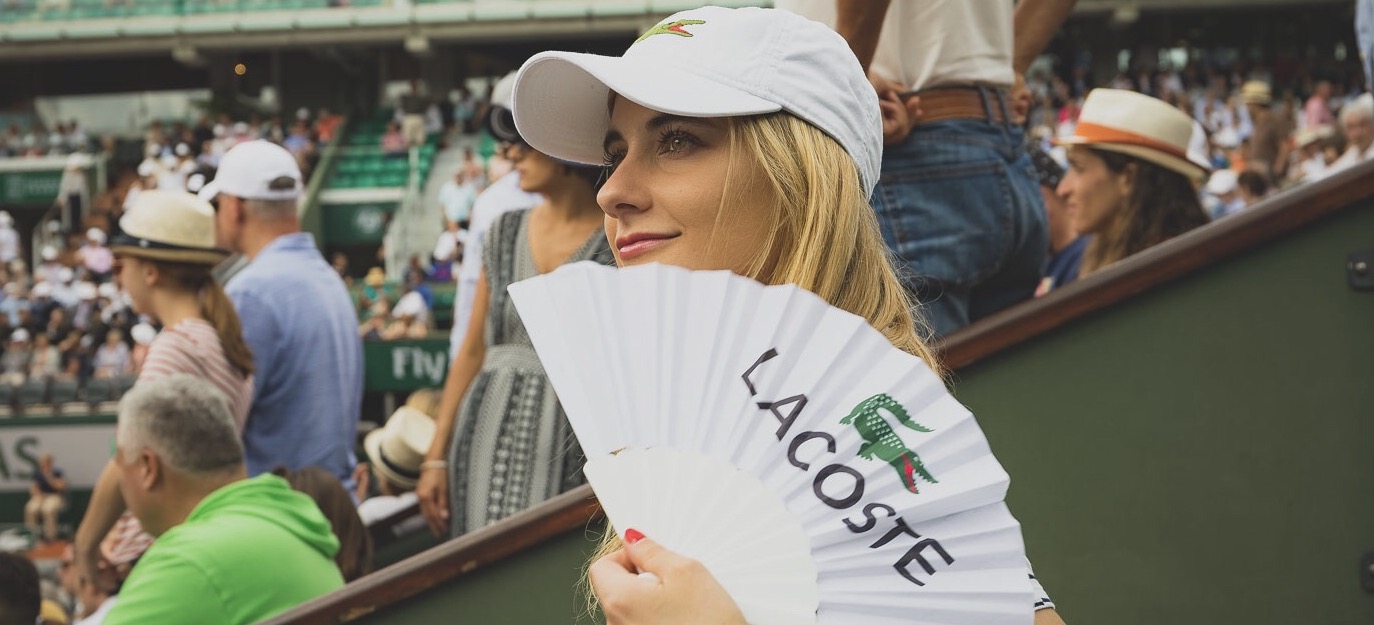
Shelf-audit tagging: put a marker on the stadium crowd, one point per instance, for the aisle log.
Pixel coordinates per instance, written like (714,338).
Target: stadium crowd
(273,471)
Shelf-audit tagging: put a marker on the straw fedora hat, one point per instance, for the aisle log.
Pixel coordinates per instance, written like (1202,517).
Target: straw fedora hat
(397,449)
(1137,125)
(1256,92)
(169,226)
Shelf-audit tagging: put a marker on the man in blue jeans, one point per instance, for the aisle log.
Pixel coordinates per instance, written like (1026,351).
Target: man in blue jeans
(958,200)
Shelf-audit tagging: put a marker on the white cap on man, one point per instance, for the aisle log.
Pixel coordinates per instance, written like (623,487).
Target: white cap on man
(256,170)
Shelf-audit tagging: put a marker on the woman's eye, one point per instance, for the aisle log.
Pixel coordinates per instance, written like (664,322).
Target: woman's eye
(612,159)
(675,142)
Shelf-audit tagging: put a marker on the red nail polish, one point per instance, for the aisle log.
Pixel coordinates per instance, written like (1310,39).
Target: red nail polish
(633,536)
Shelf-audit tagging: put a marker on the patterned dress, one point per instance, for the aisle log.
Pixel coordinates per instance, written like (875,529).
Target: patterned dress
(512,446)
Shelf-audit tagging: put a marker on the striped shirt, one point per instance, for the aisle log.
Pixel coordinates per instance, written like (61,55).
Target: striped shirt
(193,347)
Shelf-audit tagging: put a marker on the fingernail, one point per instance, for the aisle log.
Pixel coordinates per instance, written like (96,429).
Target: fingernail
(633,536)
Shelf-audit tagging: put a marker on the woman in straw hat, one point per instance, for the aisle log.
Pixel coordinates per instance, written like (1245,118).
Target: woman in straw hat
(762,168)
(1130,183)
(164,257)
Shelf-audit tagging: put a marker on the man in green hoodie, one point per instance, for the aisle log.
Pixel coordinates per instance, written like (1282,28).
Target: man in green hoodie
(229,549)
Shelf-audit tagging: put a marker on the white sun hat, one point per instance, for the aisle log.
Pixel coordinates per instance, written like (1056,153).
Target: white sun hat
(97,235)
(398,449)
(256,170)
(143,333)
(1137,125)
(706,62)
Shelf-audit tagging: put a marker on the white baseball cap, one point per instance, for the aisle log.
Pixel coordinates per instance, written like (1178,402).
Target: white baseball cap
(249,169)
(1223,181)
(706,62)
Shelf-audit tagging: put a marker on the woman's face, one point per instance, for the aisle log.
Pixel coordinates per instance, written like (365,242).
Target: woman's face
(1092,191)
(663,196)
(131,276)
(538,172)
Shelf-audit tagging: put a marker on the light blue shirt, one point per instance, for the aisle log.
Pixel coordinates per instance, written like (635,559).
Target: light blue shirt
(308,383)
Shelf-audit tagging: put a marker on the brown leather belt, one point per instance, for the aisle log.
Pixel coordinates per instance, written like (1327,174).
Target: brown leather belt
(947,103)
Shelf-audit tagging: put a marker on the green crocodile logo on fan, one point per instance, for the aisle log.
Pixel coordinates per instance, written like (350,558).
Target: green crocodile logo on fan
(670,28)
(881,441)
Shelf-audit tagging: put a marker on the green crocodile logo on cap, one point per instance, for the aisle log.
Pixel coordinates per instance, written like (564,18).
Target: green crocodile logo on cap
(670,28)
(881,441)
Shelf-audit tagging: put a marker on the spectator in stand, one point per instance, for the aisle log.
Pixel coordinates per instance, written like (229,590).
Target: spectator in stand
(502,196)
(1221,196)
(94,256)
(326,125)
(1253,187)
(16,358)
(20,595)
(1066,244)
(395,453)
(1357,122)
(74,361)
(111,359)
(88,306)
(45,361)
(297,318)
(1317,111)
(412,112)
(143,335)
(47,270)
(465,111)
(1309,160)
(447,251)
(1269,143)
(393,142)
(472,168)
(9,238)
(181,468)
(457,196)
(96,597)
(1130,183)
(166,254)
(374,327)
(410,316)
(298,142)
(968,245)
(354,558)
(73,191)
(47,494)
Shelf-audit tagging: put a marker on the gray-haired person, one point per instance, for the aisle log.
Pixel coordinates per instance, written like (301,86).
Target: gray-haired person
(230,549)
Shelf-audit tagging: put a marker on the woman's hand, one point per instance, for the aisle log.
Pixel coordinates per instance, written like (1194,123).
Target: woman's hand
(433,492)
(680,590)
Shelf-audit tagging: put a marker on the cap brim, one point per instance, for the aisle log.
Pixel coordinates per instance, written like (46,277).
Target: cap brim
(209,192)
(561,99)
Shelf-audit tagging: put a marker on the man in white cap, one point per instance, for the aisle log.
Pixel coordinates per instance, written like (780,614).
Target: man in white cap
(97,258)
(9,238)
(296,314)
(956,200)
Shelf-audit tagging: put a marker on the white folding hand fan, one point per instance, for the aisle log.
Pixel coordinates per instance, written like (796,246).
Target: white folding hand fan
(819,473)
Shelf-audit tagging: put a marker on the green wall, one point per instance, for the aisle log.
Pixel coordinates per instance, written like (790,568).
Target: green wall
(1201,454)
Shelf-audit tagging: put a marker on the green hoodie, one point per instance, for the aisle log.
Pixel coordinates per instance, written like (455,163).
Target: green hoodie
(249,550)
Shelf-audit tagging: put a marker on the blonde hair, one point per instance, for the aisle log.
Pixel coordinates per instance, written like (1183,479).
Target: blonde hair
(825,240)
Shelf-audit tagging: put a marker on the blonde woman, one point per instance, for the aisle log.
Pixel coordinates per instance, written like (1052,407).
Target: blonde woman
(1130,183)
(762,167)
(163,262)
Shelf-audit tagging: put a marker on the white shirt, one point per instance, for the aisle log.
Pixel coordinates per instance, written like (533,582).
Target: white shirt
(98,616)
(9,244)
(457,200)
(379,508)
(935,43)
(1351,158)
(446,249)
(500,198)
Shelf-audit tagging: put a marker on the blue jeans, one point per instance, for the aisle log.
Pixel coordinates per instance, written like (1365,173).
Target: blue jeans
(960,207)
